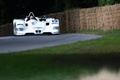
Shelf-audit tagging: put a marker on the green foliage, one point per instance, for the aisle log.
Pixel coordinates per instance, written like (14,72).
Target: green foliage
(107,2)
(110,2)
(101,2)
(67,4)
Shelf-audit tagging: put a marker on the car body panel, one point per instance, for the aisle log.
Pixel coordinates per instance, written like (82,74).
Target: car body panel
(35,26)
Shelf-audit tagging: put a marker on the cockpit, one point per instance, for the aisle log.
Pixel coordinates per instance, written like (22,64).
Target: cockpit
(31,16)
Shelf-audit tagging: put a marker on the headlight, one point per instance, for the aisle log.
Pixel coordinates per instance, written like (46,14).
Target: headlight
(20,29)
(55,28)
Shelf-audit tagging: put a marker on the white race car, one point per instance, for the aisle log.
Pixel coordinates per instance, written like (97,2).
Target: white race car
(35,25)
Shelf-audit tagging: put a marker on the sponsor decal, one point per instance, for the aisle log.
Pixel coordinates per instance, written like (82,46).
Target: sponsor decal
(54,21)
(20,24)
(38,27)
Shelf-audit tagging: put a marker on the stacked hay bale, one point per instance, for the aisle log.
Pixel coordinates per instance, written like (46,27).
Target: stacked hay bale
(111,17)
(69,20)
(72,20)
(107,17)
(1,31)
(88,18)
(67,14)
(62,19)
(82,16)
(99,19)
(10,25)
(91,20)
(116,16)
(6,29)
(77,20)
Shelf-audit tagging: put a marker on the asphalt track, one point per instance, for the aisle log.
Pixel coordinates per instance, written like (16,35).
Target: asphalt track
(23,43)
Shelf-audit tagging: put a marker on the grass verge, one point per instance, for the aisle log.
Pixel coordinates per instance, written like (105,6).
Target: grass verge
(65,62)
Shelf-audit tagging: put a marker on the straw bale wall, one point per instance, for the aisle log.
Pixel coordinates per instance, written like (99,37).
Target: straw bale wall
(6,29)
(96,18)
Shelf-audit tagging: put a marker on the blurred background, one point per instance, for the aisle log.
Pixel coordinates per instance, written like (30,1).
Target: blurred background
(10,9)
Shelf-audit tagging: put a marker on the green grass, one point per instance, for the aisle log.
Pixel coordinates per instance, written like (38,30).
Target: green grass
(65,62)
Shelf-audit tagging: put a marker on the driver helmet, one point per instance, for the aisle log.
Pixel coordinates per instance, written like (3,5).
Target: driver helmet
(31,17)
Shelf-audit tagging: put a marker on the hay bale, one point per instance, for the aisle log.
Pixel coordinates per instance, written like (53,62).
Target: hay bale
(10,29)
(99,17)
(67,14)
(6,29)
(83,19)
(109,17)
(1,31)
(74,19)
(91,18)
(116,16)
(62,19)
(70,19)
(106,17)
(77,19)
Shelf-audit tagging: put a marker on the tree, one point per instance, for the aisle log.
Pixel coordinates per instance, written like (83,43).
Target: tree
(3,12)
(107,2)
(58,6)
(10,9)
(67,4)
(101,2)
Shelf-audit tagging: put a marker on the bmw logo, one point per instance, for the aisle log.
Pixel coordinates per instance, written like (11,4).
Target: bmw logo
(33,23)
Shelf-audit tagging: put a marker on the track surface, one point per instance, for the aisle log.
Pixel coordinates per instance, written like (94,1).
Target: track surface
(22,43)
